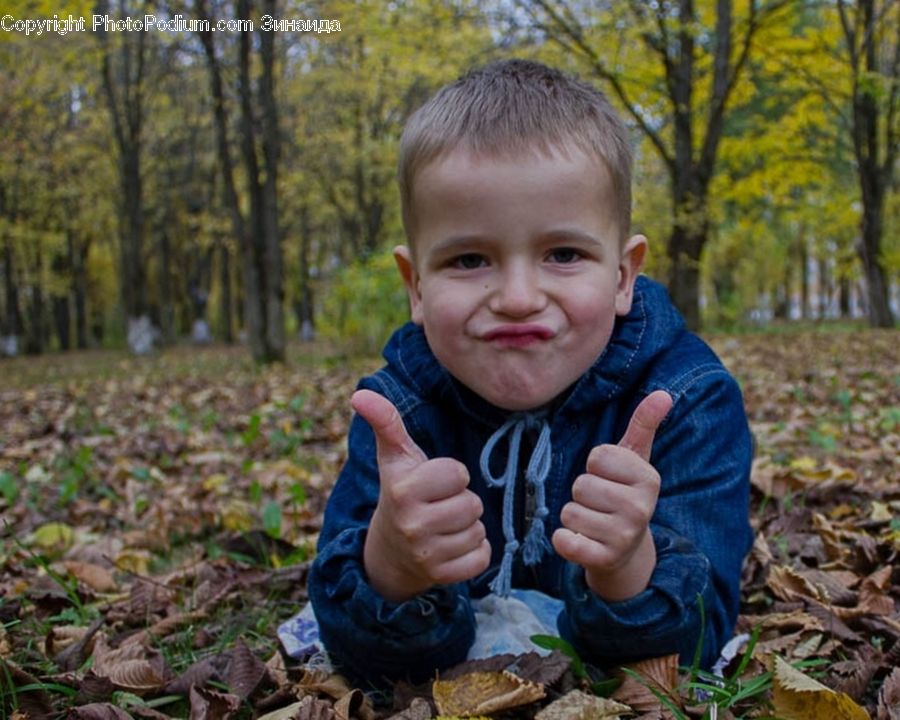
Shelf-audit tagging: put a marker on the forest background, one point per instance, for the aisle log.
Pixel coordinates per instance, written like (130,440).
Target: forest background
(153,179)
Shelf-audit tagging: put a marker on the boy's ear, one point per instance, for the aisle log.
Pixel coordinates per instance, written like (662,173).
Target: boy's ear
(629,268)
(407,268)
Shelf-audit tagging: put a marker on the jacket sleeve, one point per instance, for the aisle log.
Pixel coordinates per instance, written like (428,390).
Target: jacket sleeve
(372,640)
(701,530)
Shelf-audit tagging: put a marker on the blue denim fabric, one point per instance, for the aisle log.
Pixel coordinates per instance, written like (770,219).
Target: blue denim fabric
(700,527)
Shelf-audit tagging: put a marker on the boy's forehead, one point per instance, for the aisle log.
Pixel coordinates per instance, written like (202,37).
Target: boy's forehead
(463,171)
(467,192)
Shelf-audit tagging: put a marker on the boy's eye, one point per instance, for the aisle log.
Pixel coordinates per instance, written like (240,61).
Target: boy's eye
(564,255)
(469,261)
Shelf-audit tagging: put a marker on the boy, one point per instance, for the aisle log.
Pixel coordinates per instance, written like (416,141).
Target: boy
(545,421)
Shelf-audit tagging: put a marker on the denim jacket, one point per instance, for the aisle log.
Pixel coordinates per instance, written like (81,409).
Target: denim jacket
(700,527)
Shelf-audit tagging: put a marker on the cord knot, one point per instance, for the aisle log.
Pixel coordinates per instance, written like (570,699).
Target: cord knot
(535,543)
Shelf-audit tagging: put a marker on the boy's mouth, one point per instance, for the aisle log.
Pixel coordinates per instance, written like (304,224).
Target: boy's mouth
(516,336)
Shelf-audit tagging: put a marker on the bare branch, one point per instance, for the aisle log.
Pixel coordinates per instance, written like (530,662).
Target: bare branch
(578,44)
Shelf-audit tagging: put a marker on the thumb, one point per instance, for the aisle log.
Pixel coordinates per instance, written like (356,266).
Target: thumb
(392,440)
(644,422)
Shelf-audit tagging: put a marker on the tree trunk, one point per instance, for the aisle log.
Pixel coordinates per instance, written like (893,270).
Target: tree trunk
(34,331)
(844,296)
(226,323)
(123,84)
(12,321)
(254,279)
(869,248)
(684,250)
(271,242)
(804,280)
(166,291)
(875,151)
(62,314)
(305,309)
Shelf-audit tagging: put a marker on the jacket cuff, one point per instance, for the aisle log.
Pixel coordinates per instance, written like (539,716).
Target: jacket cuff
(375,639)
(661,620)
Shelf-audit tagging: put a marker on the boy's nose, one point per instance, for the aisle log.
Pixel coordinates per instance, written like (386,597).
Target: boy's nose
(519,294)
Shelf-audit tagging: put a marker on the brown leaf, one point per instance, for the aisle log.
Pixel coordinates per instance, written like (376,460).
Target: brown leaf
(96,577)
(309,708)
(660,674)
(72,656)
(131,667)
(788,584)
(197,674)
(354,704)
(873,594)
(207,704)
(579,705)
(314,681)
(889,697)
(483,693)
(94,689)
(543,670)
(419,709)
(98,711)
(244,671)
(35,705)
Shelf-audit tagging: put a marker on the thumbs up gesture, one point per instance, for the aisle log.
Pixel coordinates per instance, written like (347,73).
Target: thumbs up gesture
(426,528)
(606,526)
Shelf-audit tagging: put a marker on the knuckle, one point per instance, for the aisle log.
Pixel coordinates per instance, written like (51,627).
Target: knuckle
(476,506)
(581,487)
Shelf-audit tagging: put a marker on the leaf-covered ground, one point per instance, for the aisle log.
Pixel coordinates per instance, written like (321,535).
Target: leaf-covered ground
(159,515)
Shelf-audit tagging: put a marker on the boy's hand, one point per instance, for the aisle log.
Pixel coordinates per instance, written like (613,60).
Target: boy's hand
(426,528)
(606,526)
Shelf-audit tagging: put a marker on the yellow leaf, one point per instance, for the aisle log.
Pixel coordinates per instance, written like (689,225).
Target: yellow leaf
(237,516)
(804,463)
(579,705)
(53,536)
(484,693)
(799,697)
(215,481)
(881,512)
(134,561)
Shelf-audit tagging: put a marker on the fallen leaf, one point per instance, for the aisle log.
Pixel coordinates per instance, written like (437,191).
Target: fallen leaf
(245,670)
(659,674)
(797,696)
(53,537)
(889,697)
(94,576)
(309,708)
(98,711)
(483,693)
(207,704)
(131,667)
(579,705)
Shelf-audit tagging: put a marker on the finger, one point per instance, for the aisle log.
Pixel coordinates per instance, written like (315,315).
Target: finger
(465,567)
(445,548)
(644,422)
(456,513)
(393,442)
(582,550)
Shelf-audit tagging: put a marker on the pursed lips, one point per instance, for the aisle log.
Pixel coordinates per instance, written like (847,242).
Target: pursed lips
(518,335)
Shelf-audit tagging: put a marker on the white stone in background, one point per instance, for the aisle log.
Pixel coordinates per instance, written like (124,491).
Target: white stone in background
(142,335)
(9,345)
(200,332)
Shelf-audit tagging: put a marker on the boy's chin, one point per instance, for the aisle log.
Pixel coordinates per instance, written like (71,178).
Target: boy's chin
(520,400)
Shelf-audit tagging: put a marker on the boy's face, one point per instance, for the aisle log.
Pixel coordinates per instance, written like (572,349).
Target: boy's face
(518,272)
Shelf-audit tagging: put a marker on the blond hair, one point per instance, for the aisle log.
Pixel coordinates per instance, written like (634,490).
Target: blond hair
(511,107)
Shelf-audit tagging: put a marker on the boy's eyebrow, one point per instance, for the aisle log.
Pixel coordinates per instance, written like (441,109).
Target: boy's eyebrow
(454,242)
(571,235)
